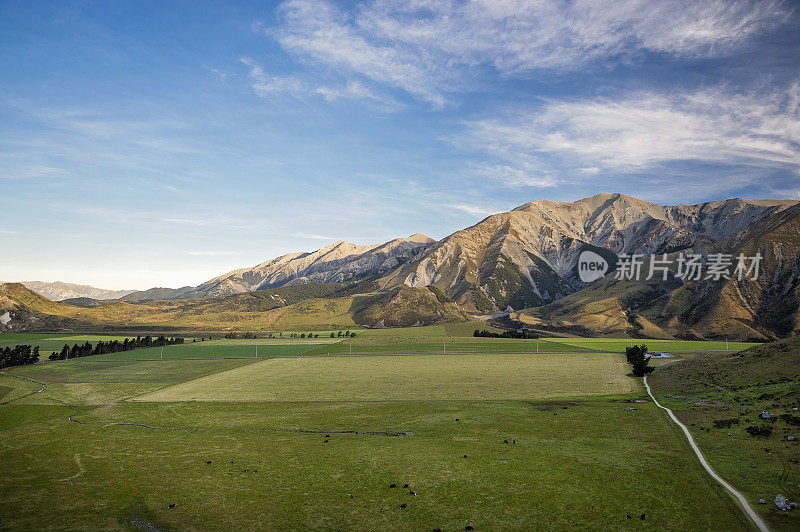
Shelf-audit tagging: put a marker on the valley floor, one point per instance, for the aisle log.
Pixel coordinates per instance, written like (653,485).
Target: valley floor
(302,443)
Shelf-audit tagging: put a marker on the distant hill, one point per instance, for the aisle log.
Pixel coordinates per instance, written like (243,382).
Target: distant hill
(331,305)
(337,263)
(58,291)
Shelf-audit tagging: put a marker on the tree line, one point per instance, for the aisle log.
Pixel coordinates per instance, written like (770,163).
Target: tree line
(340,334)
(521,334)
(113,346)
(18,355)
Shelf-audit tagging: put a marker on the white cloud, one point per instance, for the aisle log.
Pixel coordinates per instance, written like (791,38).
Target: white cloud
(269,87)
(644,131)
(519,172)
(316,29)
(213,253)
(474,210)
(427,48)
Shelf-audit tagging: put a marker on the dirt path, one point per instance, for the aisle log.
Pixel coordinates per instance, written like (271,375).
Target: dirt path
(750,512)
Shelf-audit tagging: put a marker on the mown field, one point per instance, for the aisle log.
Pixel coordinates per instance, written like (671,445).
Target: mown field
(409,378)
(324,453)
(618,345)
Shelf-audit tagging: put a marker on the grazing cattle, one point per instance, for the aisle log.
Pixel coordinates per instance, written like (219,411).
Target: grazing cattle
(403,506)
(172,505)
(392,485)
(208,462)
(405,485)
(412,493)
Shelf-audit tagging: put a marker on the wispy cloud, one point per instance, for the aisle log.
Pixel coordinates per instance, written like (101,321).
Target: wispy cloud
(213,253)
(309,236)
(34,171)
(270,87)
(210,219)
(519,171)
(317,29)
(643,131)
(221,75)
(426,48)
(474,210)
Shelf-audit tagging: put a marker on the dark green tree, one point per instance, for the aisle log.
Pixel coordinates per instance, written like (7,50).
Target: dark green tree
(636,356)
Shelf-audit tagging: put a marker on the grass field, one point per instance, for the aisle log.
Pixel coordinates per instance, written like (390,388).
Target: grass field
(314,442)
(85,382)
(213,349)
(316,448)
(619,344)
(449,338)
(410,378)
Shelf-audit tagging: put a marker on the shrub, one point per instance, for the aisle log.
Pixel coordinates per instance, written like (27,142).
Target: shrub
(764,431)
(725,423)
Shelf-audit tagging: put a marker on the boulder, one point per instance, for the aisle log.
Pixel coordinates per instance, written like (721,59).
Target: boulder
(781,503)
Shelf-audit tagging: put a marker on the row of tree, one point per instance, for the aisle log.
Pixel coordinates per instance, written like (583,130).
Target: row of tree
(340,334)
(234,336)
(520,334)
(113,346)
(19,355)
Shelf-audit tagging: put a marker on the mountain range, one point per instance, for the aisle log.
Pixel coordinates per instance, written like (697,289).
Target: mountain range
(58,291)
(521,265)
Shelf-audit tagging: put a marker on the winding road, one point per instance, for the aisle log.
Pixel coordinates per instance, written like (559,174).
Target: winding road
(750,512)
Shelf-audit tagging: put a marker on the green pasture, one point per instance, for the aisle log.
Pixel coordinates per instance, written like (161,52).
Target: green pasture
(410,378)
(444,345)
(212,349)
(504,438)
(619,344)
(479,441)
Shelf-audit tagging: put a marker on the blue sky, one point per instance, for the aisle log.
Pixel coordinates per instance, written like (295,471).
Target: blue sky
(163,143)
